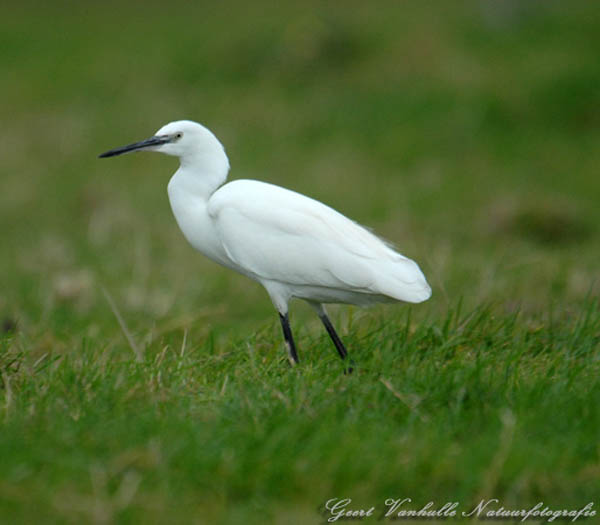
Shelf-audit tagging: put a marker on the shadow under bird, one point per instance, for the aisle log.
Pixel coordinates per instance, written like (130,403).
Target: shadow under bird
(293,245)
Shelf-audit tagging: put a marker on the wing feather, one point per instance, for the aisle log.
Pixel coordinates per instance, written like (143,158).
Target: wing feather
(277,234)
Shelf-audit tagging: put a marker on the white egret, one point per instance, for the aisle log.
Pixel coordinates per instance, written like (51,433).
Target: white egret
(291,244)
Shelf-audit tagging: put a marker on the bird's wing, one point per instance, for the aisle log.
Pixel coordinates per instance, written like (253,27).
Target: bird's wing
(277,234)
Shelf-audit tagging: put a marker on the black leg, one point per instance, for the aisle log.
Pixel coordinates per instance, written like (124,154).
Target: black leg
(339,346)
(289,340)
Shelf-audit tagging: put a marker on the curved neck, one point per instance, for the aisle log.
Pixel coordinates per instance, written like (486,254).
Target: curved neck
(202,174)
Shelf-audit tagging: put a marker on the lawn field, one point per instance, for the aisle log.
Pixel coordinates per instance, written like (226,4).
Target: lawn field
(142,383)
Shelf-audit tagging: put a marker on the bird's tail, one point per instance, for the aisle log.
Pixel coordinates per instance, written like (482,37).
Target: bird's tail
(403,280)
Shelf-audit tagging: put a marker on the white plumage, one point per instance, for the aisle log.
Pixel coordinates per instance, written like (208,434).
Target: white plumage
(293,245)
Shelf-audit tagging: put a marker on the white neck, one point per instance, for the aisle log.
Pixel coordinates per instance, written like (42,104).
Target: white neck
(202,173)
(190,189)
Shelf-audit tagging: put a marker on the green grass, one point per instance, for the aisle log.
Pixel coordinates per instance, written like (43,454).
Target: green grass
(474,405)
(465,134)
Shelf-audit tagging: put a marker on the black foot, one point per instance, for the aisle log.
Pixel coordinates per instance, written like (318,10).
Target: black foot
(289,340)
(339,346)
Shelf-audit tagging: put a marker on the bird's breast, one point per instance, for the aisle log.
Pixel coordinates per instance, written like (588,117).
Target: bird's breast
(196,225)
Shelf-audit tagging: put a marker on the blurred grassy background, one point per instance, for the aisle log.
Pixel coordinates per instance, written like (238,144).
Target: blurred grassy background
(466,133)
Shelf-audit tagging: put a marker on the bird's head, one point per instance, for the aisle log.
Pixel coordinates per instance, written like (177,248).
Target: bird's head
(185,139)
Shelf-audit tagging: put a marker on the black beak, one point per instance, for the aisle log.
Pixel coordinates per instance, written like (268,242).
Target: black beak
(152,141)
